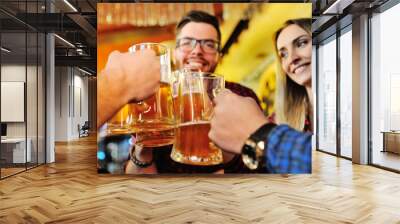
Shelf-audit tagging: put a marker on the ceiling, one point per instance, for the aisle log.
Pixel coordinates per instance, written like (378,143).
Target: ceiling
(77,25)
(332,15)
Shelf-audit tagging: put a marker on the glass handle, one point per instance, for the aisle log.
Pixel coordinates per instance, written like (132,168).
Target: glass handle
(216,91)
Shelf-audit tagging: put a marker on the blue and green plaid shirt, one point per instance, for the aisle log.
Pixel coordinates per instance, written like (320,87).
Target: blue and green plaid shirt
(288,151)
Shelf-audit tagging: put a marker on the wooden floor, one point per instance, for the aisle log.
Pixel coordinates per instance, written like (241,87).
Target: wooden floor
(10,171)
(71,191)
(5,172)
(387,159)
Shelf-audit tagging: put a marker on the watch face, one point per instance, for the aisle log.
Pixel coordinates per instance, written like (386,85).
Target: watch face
(249,162)
(249,157)
(249,151)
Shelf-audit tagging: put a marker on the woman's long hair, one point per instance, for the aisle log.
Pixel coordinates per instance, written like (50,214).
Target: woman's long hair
(291,99)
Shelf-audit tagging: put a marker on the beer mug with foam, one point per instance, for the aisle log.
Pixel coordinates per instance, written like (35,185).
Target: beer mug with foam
(193,103)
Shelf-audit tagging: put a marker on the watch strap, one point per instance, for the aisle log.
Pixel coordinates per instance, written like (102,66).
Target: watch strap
(262,133)
(253,149)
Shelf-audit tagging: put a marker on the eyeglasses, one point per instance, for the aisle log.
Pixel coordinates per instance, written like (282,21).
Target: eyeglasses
(188,44)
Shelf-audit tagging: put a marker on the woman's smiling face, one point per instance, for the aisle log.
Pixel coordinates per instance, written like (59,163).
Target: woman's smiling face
(294,46)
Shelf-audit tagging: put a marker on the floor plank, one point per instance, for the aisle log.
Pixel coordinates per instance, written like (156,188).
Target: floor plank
(71,191)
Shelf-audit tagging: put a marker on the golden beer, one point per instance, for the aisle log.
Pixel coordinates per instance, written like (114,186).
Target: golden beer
(155,124)
(193,146)
(193,110)
(151,120)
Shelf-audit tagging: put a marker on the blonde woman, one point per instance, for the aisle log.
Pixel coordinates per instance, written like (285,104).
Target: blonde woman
(294,101)
(238,126)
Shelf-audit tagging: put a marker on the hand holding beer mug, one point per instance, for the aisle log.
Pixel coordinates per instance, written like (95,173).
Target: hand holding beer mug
(152,120)
(193,104)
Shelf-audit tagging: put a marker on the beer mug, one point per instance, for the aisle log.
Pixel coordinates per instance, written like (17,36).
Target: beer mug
(193,95)
(151,121)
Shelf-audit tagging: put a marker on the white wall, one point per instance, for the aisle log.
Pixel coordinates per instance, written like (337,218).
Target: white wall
(33,127)
(61,103)
(80,101)
(12,73)
(71,94)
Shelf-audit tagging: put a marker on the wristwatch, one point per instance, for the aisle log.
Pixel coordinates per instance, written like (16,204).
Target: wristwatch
(253,149)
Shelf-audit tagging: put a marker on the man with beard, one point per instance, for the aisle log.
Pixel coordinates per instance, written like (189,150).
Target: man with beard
(198,49)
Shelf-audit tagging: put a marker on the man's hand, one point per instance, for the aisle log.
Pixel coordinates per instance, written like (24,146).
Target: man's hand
(139,72)
(126,77)
(235,119)
(143,154)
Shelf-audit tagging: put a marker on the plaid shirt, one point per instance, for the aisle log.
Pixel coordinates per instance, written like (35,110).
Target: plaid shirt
(288,151)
